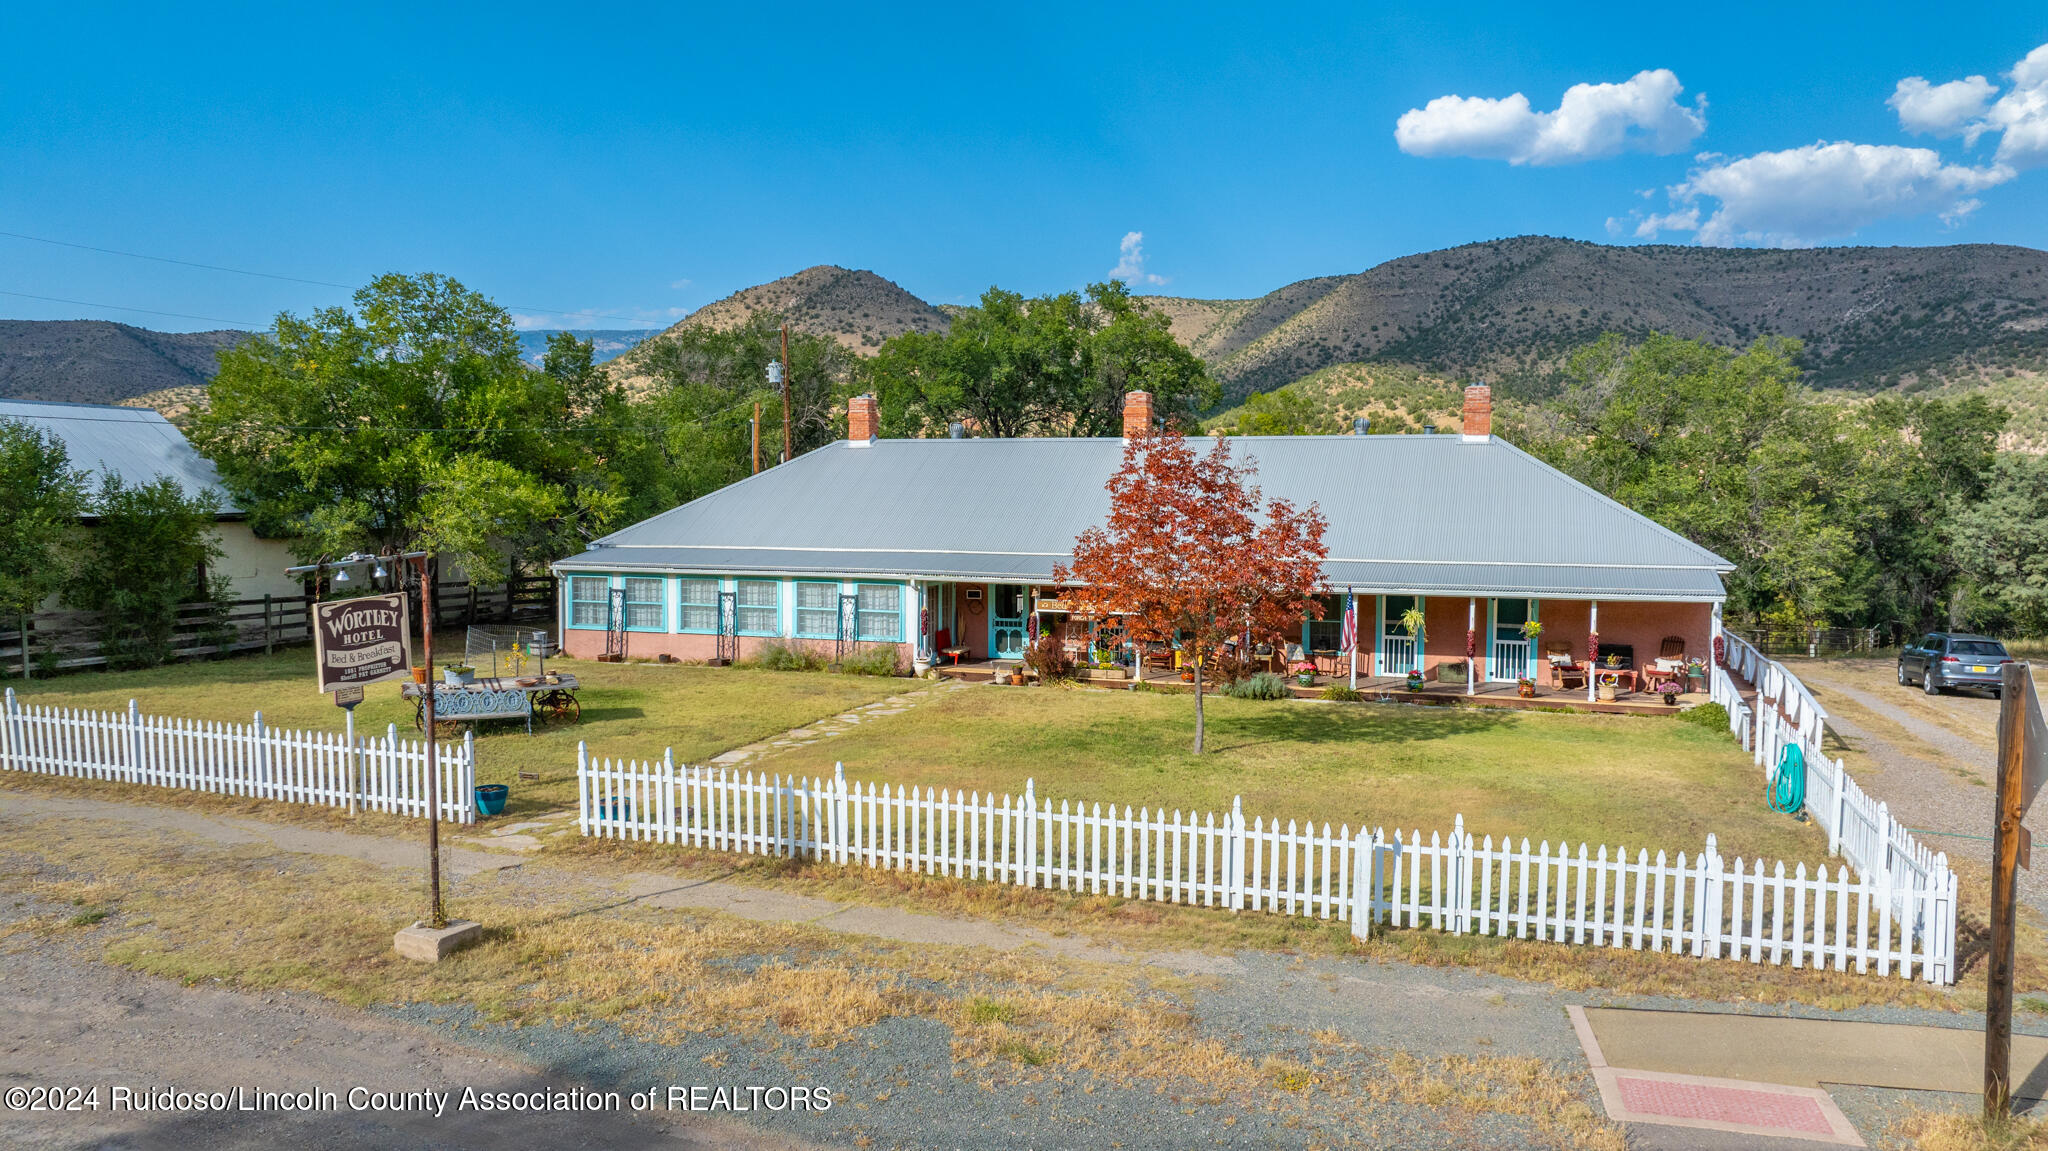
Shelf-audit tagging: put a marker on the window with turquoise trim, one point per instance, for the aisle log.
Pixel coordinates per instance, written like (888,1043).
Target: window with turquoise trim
(760,606)
(817,610)
(646,606)
(879,613)
(590,601)
(699,601)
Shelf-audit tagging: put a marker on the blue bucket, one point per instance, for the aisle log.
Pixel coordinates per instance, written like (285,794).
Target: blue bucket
(490,798)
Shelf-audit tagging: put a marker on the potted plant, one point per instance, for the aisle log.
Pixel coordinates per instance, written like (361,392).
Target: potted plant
(458,675)
(1531,629)
(1525,687)
(1305,673)
(1415,679)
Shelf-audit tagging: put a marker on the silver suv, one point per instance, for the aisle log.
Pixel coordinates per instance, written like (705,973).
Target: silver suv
(1942,659)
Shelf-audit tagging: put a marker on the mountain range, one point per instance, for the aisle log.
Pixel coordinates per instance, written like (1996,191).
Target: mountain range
(1506,311)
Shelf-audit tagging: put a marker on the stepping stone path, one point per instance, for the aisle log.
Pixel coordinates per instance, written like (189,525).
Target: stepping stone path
(837,725)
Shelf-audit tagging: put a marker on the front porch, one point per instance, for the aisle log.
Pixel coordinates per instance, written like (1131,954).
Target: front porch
(1387,689)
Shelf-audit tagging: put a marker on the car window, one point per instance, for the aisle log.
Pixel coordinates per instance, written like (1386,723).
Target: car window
(1931,642)
(1983,647)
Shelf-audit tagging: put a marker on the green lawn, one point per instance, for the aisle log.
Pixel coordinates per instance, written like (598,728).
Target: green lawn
(628,709)
(1641,781)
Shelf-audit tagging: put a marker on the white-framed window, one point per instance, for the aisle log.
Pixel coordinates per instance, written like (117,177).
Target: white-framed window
(590,602)
(879,613)
(760,607)
(817,610)
(698,598)
(646,603)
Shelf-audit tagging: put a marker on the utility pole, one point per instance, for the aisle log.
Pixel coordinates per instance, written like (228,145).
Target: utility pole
(787,453)
(757,439)
(2007,839)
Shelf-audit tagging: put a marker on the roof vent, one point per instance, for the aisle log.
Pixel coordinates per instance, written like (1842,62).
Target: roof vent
(1361,426)
(956,430)
(1429,429)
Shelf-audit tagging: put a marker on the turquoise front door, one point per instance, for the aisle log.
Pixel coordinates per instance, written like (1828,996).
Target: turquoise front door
(1005,621)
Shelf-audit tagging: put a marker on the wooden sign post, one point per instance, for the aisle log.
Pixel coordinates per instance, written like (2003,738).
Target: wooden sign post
(2022,745)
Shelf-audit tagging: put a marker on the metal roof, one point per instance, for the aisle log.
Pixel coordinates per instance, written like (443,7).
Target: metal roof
(136,444)
(1428,514)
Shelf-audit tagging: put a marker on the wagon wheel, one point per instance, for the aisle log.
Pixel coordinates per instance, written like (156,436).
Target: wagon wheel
(559,705)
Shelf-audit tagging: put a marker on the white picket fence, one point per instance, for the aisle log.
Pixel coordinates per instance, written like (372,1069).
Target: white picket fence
(318,767)
(1860,829)
(1702,907)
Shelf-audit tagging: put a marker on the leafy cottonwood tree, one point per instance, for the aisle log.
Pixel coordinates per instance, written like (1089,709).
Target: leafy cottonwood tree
(707,382)
(412,423)
(1056,365)
(1195,555)
(38,519)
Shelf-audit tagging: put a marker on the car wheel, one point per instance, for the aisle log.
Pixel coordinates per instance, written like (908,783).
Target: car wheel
(1903,681)
(1928,683)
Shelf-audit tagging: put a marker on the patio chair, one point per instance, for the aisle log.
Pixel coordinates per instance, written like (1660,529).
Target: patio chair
(1669,666)
(1564,671)
(942,642)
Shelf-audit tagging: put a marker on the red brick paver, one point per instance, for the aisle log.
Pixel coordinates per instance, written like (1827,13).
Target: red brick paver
(1648,1097)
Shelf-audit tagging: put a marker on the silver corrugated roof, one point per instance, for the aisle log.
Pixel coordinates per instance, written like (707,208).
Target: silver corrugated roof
(136,444)
(1429,514)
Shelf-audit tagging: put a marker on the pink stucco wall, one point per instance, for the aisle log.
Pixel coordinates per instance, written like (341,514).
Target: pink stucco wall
(1642,625)
(589,644)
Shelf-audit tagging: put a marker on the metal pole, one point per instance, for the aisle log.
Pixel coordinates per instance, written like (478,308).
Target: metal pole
(787,453)
(757,439)
(2005,852)
(436,917)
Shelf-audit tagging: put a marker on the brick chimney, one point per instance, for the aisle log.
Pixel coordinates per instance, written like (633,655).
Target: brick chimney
(1478,414)
(862,422)
(1137,414)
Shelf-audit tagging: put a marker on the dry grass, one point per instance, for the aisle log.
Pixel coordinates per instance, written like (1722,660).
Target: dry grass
(1957,1131)
(562,949)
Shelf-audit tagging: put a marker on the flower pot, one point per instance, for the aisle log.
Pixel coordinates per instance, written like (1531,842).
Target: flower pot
(490,798)
(1187,677)
(1305,680)
(1670,699)
(419,675)
(1606,693)
(919,665)
(1526,689)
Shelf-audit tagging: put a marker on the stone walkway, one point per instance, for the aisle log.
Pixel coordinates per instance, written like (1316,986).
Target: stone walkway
(834,726)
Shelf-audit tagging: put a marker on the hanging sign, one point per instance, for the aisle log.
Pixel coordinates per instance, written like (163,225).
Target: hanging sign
(362,641)
(348,697)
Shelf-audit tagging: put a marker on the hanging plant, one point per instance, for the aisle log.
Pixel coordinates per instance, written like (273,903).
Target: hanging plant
(1531,629)
(1412,621)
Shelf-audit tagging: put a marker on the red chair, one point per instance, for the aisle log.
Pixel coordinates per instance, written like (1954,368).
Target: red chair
(943,644)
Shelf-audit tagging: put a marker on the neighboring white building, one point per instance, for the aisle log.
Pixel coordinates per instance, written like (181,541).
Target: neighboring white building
(138,445)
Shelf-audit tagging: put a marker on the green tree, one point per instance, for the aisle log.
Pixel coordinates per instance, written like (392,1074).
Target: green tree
(143,566)
(2001,541)
(38,519)
(706,383)
(1726,448)
(1284,413)
(1055,365)
(412,423)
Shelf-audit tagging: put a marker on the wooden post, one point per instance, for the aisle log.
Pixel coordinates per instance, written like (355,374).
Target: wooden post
(2005,853)
(269,637)
(757,438)
(25,674)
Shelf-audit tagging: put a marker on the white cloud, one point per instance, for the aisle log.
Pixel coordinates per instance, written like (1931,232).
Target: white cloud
(1130,262)
(1965,107)
(1592,120)
(1941,109)
(1801,196)
(602,318)
(679,285)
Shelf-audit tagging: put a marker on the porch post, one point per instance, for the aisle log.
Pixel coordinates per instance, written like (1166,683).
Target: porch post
(1351,610)
(1592,649)
(1471,645)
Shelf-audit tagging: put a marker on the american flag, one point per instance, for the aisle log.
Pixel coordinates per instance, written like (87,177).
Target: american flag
(1350,624)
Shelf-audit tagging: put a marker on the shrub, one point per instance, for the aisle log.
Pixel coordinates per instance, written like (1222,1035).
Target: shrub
(1048,657)
(1342,693)
(778,656)
(1709,715)
(1259,685)
(874,661)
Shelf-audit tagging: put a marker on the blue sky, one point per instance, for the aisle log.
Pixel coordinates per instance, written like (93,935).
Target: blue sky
(634,164)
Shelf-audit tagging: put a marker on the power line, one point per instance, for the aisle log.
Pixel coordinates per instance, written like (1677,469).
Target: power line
(261,275)
(122,308)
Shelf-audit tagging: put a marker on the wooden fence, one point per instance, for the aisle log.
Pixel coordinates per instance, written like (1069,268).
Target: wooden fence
(68,640)
(1700,906)
(1860,829)
(327,768)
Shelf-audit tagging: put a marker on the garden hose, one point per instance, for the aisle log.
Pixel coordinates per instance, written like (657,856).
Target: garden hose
(1788,781)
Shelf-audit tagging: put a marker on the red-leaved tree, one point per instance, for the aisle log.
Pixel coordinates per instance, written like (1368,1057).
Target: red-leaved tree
(1194,555)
